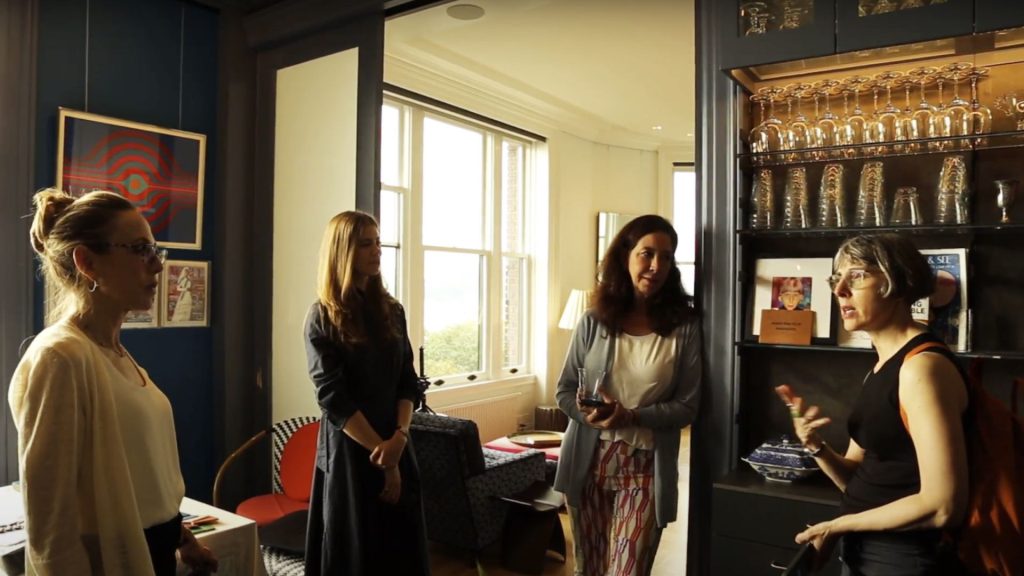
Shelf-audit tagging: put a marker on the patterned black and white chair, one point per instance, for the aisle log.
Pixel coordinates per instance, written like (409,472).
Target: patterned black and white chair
(463,483)
(281,514)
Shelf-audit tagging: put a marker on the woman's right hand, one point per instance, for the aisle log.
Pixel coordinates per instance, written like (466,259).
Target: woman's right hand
(805,421)
(392,485)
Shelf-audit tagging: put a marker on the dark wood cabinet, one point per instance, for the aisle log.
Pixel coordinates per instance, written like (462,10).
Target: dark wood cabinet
(753,32)
(754,521)
(992,15)
(857,28)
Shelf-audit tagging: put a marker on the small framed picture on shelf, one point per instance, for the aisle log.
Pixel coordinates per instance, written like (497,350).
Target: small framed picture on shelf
(793,284)
(185,294)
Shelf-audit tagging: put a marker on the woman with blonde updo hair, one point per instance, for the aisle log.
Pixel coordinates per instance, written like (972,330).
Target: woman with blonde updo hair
(97,454)
(365,513)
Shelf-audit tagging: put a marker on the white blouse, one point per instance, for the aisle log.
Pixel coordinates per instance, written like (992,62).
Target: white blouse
(641,375)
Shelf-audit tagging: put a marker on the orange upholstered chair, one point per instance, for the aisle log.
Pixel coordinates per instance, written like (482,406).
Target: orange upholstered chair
(294,453)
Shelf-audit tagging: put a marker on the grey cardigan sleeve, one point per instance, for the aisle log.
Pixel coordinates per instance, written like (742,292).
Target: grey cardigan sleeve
(680,410)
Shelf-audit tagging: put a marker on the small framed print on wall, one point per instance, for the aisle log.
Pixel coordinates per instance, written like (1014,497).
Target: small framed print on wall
(793,284)
(160,170)
(185,294)
(144,318)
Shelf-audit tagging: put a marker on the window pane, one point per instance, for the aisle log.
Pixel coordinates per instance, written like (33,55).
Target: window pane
(452,314)
(512,196)
(688,276)
(513,311)
(390,217)
(390,145)
(684,206)
(453,185)
(389,269)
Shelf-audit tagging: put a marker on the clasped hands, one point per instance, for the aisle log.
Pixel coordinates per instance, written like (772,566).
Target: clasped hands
(610,416)
(386,456)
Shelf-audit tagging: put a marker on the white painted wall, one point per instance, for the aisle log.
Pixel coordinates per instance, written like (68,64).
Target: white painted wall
(314,179)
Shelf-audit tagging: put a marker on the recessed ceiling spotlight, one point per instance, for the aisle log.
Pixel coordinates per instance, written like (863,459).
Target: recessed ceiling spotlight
(465,12)
(656,127)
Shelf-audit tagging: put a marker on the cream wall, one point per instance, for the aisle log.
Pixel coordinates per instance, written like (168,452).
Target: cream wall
(314,179)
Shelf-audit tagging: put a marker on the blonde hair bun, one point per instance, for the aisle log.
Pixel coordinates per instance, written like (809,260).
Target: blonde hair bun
(50,204)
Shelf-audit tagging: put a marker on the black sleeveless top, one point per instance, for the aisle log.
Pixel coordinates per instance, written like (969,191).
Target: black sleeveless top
(889,470)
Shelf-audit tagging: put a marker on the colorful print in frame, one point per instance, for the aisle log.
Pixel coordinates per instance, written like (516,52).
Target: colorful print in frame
(159,169)
(185,293)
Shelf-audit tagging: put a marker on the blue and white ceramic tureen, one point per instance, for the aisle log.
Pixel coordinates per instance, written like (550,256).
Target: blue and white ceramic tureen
(782,460)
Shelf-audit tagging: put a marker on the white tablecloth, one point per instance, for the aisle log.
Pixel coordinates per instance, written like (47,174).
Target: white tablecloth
(234,539)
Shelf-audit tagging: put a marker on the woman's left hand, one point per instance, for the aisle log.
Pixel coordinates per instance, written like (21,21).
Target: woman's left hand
(615,416)
(197,557)
(823,537)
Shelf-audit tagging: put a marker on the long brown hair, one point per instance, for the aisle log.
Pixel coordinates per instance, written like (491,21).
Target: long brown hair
(353,315)
(614,296)
(62,222)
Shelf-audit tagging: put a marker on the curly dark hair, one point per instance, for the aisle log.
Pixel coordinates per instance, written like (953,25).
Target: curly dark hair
(614,295)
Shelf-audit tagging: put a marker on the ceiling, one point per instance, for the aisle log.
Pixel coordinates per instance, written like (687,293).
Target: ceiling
(606,70)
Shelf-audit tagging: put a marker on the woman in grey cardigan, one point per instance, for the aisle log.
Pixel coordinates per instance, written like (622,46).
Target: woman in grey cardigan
(618,467)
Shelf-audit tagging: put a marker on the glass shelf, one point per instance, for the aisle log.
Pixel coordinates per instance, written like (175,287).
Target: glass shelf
(993,354)
(931,229)
(944,146)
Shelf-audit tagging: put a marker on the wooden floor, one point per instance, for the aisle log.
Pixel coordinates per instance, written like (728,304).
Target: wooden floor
(670,561)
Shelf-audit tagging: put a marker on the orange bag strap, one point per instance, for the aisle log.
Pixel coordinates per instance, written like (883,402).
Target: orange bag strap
(914,352)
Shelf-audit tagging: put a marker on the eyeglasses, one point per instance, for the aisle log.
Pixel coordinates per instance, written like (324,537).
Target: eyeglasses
(143,250)
(855,278)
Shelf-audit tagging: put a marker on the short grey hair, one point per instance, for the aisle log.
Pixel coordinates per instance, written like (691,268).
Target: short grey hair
(907,273)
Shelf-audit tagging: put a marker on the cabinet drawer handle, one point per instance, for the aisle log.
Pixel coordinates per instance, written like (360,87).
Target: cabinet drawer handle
(776,566)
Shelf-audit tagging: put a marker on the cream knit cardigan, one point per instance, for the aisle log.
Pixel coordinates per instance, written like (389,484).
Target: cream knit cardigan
(81,515)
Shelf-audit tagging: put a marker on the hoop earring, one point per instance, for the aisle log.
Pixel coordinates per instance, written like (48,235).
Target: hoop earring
(95,285)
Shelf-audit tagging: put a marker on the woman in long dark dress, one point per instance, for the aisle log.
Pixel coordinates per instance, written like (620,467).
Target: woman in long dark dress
(365,514)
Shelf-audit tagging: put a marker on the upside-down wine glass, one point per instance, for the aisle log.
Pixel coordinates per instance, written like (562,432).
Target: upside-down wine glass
(979,116)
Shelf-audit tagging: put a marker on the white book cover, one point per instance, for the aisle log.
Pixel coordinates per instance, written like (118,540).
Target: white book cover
(948,304)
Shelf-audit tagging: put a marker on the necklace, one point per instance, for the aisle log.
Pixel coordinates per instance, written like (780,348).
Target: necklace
(116,348)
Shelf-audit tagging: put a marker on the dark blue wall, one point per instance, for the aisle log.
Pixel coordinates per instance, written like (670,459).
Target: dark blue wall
(152,61)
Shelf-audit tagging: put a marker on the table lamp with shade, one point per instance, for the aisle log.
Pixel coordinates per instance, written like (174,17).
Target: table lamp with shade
(575,306)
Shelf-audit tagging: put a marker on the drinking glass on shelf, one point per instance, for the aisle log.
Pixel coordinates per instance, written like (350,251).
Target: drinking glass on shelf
(888,117)
(922,115)
(758,135)
(794,199)
(905,210)
(955,113)
(1013,106)
(952,205)
(802,133)
(906,128)
(870,196)
(1006,194)
(857,120)
(832,198)
(762,201)
(979,116)
(828,122)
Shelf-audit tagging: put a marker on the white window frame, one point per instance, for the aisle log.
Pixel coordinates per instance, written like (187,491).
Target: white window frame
(411,250)
(685,239)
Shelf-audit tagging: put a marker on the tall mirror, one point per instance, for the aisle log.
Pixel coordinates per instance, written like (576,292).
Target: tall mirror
(608,225)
